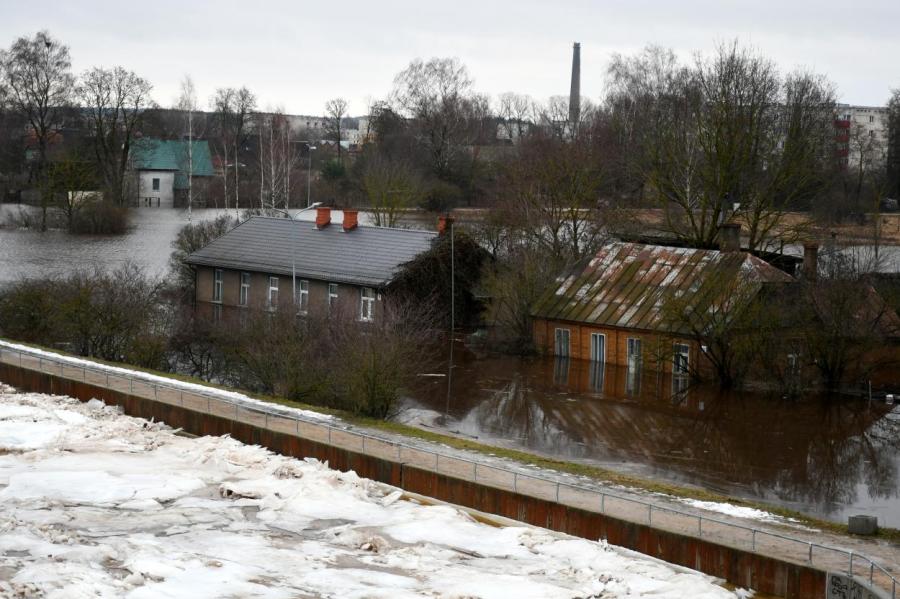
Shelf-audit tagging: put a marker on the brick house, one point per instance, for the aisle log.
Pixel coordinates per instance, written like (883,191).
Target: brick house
(267,263)
(610,310)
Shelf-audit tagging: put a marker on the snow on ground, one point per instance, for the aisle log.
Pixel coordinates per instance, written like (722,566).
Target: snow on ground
(97,504)
(747,513)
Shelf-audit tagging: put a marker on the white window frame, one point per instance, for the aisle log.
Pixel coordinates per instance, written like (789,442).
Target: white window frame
(272,296)
(332,295)
(558,335)
(594,357)
(634,348)
(218,285)
(244,295)
(677,366)
(303,296)
(366,304)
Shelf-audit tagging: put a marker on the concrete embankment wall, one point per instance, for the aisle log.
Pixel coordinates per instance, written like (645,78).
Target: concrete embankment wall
(382,461)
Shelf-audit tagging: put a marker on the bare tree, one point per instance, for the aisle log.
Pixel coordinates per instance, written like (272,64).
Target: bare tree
(727,137)
(187,103)
(233,108)
(38,82)
(435,94)
(551,194)
(391,186)
(278,158)
(335,112)
(516,113)
(115,100)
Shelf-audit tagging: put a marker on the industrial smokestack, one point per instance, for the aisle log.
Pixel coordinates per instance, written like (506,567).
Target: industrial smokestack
(575,91)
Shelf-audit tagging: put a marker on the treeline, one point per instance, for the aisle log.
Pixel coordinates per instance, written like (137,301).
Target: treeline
(726,135)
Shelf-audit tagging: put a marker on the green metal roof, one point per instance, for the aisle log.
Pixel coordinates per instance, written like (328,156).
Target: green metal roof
(626,284)
(151,154)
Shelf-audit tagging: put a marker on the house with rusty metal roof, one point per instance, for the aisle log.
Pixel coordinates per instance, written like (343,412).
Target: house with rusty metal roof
(612,308)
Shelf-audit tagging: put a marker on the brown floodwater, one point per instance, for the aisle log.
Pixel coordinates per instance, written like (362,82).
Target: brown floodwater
(828,458)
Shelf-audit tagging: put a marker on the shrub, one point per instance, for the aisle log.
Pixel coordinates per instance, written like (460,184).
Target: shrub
(99,218)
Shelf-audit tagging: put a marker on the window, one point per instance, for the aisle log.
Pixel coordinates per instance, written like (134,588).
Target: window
(155,184)
(272,301)
(562,343)
(303,297)
(871,119)
(598,347)
(634,350)
(332,295)
(367,304)
(217,285)
(680,358)
(245,289)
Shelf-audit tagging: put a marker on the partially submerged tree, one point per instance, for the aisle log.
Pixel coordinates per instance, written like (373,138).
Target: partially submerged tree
(187,104)
(191,238)
(233,108)
(38,84)
(115,100)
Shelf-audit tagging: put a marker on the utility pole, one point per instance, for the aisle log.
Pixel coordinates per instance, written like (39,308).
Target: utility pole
(452,318)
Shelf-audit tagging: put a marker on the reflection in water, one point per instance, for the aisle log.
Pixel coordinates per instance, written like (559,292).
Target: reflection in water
(826,458)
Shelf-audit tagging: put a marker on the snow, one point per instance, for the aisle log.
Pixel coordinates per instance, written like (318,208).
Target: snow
(97,504)
(232,396)
(748,513)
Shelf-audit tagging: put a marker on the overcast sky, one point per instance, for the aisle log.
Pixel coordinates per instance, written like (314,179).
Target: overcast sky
(297,54)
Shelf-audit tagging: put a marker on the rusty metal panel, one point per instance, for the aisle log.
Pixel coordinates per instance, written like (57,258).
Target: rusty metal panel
(625,284)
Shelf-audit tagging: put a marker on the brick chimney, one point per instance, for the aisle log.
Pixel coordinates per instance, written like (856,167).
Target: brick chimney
(730,237)
(810,261)
(323,217)
(444,222)
(351,219)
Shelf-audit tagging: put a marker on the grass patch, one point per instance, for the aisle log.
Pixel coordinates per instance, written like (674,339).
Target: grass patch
(602,475)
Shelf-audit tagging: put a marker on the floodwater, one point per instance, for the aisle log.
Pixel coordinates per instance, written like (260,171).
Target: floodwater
(148,243)
(828,459)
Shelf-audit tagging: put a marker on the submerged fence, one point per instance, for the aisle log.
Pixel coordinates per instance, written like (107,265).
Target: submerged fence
(445,461)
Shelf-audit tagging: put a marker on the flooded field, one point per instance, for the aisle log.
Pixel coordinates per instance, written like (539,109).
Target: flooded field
(826,458)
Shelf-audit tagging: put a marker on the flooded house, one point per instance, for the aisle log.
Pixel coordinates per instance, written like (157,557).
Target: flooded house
(163,168)
(322,267)
(613,309)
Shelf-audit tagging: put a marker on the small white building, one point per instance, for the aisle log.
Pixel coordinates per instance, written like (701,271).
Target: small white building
(162,168)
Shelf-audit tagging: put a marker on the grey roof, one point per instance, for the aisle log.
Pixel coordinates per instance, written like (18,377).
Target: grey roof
(363,256)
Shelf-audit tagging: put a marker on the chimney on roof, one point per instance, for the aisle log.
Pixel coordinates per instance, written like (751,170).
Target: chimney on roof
(575,89)
(351,219)
(323,217)
(730,237)
(445,221)
(810,261)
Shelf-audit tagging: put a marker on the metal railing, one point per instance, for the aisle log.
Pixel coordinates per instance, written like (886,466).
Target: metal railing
(324,429)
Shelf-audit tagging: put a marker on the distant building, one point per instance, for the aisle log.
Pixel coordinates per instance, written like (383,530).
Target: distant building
(341,267)
(162,167)
(862,132)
